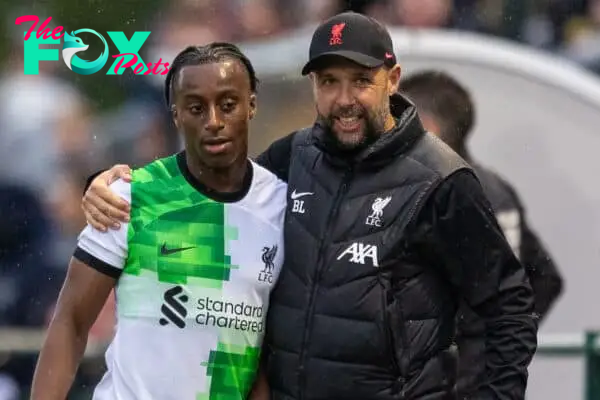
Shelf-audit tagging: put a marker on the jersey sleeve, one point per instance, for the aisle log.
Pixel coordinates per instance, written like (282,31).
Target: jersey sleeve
(107,251)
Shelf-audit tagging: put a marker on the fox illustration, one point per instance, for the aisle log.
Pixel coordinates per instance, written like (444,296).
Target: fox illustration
(71,45)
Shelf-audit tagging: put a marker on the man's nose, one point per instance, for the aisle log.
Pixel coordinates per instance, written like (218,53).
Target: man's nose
(214,123)
(345,95)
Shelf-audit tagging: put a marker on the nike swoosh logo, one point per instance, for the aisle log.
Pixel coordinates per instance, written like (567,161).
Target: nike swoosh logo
(165,251)
(295,195)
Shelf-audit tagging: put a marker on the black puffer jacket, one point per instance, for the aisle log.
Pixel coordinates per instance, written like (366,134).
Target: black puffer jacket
(380,250)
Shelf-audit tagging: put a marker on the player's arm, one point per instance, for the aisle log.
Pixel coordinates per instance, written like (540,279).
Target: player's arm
(83,295)
(102,207)
(260,389)
(458,231)
(93,271)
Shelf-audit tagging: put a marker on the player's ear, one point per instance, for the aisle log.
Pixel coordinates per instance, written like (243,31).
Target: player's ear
(175,115)
(252,105)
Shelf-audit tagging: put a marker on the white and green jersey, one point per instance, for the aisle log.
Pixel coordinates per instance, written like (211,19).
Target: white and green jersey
(195,272)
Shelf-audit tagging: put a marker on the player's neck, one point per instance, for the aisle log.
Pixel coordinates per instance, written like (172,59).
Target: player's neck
(222,180)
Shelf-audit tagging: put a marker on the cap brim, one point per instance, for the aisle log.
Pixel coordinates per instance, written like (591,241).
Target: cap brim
(361,59)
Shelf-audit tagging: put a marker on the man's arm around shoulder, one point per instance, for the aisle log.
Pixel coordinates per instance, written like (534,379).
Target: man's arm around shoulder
(456,229)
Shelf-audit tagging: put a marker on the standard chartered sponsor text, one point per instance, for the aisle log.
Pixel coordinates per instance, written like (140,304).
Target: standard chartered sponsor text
(224,314)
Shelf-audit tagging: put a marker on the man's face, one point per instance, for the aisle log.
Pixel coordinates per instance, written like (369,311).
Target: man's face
(213,107)
(353,101)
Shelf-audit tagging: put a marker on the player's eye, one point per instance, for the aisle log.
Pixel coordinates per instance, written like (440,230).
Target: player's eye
(228,106)
(195,109)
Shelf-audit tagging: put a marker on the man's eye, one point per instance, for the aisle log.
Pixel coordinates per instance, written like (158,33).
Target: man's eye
(326,82)
(363,81)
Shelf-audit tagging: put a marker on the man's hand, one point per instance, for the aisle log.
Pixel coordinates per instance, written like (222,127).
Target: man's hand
(102,207)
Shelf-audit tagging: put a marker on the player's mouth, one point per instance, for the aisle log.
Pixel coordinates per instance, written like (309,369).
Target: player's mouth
(216,145)
(350,124)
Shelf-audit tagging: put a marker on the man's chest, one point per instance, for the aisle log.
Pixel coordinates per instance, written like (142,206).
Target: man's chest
(348,228)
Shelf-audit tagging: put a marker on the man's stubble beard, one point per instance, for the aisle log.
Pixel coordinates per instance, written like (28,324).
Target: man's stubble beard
(373,129)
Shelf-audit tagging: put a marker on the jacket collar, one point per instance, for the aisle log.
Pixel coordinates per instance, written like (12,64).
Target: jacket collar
(389,146)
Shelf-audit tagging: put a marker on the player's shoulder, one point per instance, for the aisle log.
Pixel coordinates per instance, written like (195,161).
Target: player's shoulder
(267,196)
(106,251)
(160,181)
(266,181)
(160,169)
(121,188)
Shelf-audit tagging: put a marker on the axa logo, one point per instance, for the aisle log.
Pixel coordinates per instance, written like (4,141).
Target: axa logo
(360,253)
(73,44)
(173,309)
(297,204)
(377,207)
(268,258)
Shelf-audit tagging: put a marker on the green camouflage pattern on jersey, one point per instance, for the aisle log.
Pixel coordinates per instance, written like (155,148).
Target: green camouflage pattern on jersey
(168,213)
(179,234)
(233,371)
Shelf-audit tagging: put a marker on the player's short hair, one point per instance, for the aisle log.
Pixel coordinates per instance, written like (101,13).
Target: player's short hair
(439,95)
(210,53)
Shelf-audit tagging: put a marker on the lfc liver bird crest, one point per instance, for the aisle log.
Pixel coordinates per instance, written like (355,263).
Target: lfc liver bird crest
(336,33)
(268,256)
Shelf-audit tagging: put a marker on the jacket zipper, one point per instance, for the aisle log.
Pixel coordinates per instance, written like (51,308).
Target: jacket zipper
(403,358)
(388,335)
(316,278)
(398,368)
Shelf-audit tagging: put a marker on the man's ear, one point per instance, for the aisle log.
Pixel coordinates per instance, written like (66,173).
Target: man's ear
(394,79)
(253,106)
(313,82)
(175,116)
